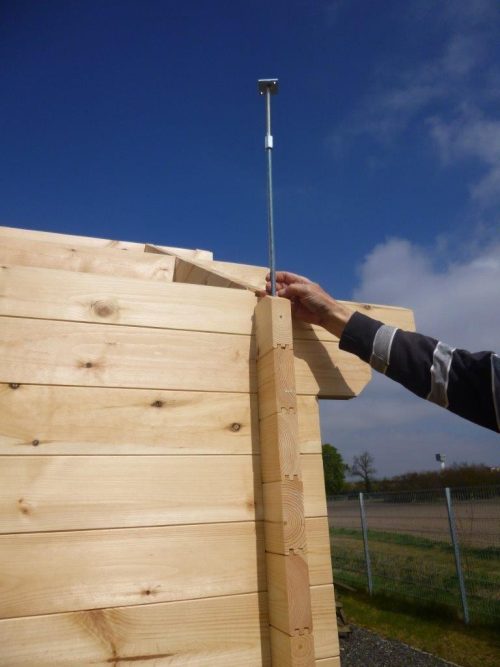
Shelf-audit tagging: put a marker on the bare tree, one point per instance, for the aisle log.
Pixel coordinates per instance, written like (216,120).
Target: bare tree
(362,466)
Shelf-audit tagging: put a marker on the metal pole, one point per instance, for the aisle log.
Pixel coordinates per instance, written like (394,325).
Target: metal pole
(456,550)
(270,87)
(365,542)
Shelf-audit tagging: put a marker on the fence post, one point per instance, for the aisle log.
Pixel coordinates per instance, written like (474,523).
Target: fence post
(365,542)
(456,550)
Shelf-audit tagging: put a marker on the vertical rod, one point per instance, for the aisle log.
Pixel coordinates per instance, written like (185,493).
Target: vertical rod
(270,217)
(456,550)
(365,542)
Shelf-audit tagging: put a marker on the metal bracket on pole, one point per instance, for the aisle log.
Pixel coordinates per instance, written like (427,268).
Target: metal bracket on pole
(269,87)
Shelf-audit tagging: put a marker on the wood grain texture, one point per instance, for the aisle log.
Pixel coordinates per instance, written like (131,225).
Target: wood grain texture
(214,632)
(314,485)
(71,353)
(82,297)
(288,592)
(280,448)
(41,419)
(92,242)
(48,420)
(296,651)
(328,662)
(318,551)
(86,297)
(284,516)
(326,639)
(196,273)
(45,573)
(86,260)
(81,354)
(51,493)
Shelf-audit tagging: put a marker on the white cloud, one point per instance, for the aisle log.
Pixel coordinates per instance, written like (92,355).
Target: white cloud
(458,303)
(472,137)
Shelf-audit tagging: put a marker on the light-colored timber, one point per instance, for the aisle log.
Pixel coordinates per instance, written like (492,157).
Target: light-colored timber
(49,493)
(98,355)
(161,482)
(52,572)
(192,632)
(289,594)
(48,420)
(92,242)
(99,637)
(86,260)
(27,291)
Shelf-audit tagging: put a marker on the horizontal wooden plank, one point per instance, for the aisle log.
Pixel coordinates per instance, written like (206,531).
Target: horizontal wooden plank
(72,353)
(92,242)
(82,297)
(42,419)
(314,485)
(87,297)
(214,632)
(81,354)
(328,662)
(318,551)
(49,493)
(321,369)
(86,260)
(45,573)
(326,639)
(225,631)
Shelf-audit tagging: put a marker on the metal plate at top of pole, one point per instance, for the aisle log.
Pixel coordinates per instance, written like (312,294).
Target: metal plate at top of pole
(269,87)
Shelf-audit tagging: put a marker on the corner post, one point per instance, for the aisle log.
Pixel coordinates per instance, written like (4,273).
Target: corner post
(290,617)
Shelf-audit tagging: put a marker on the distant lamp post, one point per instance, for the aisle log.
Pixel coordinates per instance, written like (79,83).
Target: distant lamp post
(441,458)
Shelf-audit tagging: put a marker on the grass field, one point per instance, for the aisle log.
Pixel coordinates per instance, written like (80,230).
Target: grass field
(422,570)
(425,629)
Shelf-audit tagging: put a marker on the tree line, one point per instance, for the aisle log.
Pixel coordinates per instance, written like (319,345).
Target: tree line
(363,468)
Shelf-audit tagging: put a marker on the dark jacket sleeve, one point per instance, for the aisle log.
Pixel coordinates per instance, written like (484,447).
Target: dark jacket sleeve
(465,383)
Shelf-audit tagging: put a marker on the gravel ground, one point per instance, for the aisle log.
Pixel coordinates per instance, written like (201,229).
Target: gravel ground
(367,649)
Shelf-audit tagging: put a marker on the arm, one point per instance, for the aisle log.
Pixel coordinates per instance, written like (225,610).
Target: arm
(465,383)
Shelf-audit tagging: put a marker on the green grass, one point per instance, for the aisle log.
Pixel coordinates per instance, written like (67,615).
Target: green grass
(424,628)
(421,571)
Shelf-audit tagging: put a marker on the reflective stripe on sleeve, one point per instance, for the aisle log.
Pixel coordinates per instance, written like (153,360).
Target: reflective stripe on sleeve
(440,370)
(495,385)
(381,350)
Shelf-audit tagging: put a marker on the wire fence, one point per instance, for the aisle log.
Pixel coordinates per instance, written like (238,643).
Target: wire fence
(438,547)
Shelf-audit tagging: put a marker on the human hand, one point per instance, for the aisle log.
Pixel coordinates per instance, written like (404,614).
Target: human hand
(310,302)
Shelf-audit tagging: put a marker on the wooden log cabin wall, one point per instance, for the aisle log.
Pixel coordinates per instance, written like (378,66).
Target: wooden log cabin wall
(161,485)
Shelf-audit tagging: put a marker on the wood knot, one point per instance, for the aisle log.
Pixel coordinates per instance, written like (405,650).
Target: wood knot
(235,427)
(103,308)
(157,404)
(35,443)
(87,364)
(14,385)
(367,306)
(22,507)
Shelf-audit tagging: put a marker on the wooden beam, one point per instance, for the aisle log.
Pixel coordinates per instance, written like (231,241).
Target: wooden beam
(92,242)
(102,355)
(45,573)
(48,420)
(290,615)
(102,261)
(187,632)
(50,493)
(83,297)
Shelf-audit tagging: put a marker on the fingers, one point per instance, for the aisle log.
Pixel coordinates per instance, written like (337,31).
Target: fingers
(294,291)
(288,278)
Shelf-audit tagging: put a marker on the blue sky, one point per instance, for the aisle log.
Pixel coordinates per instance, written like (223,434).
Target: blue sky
(141,121)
